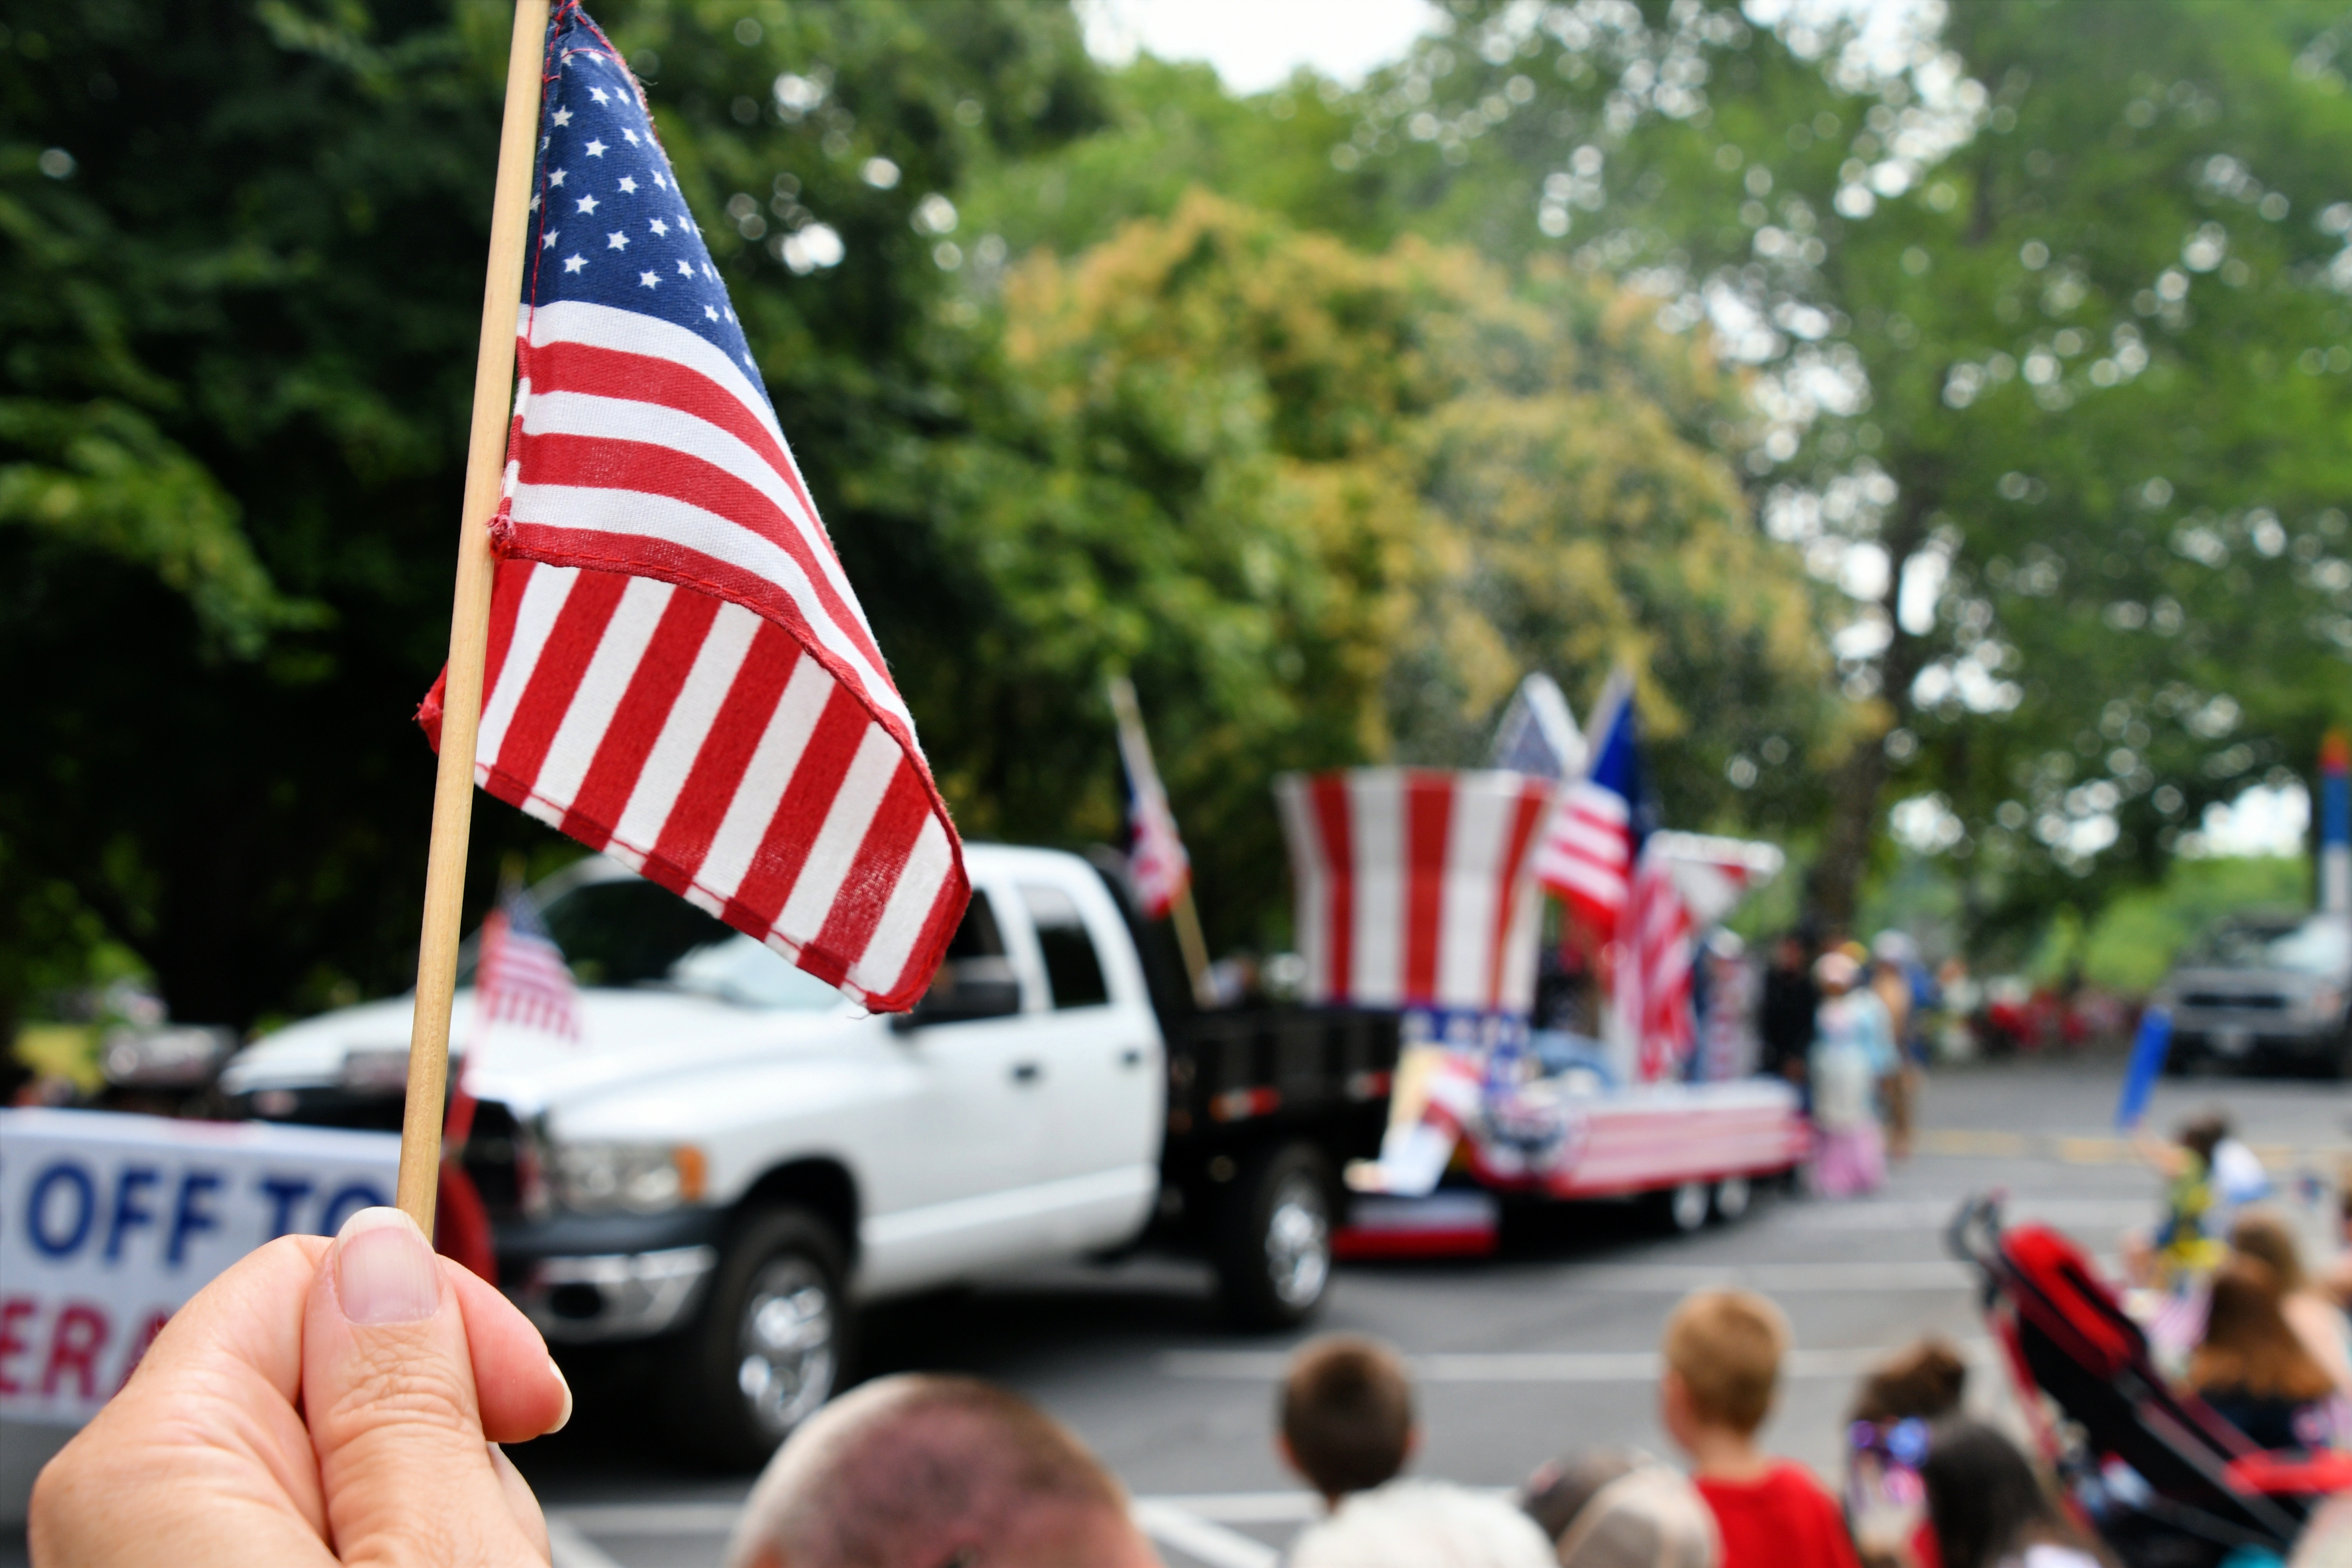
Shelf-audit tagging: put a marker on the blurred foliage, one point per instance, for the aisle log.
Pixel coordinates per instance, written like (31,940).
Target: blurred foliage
(2049,310)
(1329,508)
(2135,937)
(1590,331)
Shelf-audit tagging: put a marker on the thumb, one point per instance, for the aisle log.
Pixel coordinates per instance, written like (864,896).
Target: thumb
(388,1390)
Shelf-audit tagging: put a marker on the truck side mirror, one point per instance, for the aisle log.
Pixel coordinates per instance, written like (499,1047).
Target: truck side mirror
(965,989)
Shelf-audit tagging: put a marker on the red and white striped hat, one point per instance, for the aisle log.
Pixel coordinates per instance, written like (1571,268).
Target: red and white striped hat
(1413,887)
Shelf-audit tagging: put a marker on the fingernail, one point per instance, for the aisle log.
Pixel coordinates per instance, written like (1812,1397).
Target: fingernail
(565,1419)
(383,1271)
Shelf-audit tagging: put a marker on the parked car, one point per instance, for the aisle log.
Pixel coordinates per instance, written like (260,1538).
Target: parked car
(2265,989)
(733,1158)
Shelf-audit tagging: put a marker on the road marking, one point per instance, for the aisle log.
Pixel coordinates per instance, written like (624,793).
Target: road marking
(1933,1215)
(1533,1366)
(1184,1530)
(648,1517)
(1972,1143)
(1675,1278)
(568,1548)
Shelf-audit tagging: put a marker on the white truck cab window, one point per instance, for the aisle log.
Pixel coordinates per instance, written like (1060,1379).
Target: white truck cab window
(1073,969)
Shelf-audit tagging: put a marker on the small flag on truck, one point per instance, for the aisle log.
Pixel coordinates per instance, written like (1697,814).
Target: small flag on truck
(678,672)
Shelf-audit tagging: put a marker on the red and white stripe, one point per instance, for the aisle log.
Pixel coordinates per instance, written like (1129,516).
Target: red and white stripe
(679,674)
(1685,883)
(1586,855)
(1413,887)
(522,979)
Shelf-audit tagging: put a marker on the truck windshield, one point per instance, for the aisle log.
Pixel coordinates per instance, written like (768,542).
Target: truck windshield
(636,933)
(2321,945)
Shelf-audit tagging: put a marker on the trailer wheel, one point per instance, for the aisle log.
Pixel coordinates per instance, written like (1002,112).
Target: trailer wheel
(1271,1242)
(770,1344)
(1684,1209)
(1732,1196)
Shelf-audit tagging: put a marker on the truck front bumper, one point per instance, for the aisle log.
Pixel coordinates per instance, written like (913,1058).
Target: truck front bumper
(585,1280)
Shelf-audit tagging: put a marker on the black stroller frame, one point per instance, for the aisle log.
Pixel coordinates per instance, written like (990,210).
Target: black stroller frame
(2067,1338)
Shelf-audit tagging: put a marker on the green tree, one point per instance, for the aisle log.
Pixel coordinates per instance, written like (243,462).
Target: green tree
(1328,507)
(2047,313)
(240,253)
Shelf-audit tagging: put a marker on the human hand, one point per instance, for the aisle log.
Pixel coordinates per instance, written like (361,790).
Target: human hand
(408,1369)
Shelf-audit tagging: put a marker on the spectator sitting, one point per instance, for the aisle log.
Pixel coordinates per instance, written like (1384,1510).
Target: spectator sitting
(1622,1508)
(1347,1427)
(1886,1439)
(2252,1368)
(918,1470)
(1989,1509)
(1723,1352)
(2317,1320)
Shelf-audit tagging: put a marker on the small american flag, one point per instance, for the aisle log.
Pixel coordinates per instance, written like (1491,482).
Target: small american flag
(1587,854)
(678,673)
(1654,970)
(523,978)
(1157,863)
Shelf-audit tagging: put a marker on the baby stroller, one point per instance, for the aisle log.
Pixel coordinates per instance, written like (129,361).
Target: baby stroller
(2166,1481)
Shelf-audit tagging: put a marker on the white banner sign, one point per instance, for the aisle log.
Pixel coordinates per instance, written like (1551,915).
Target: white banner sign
(107,1223)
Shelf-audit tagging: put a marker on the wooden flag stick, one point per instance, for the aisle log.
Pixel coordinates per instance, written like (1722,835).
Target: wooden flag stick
(469,625)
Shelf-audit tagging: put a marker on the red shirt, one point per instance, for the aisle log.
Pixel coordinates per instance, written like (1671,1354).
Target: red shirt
(1783,1520)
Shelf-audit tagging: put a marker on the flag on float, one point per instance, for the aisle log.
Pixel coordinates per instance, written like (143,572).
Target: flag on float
(1682,884)
(1412,887)
(679,674)
(1588,852)
(521,977)
(1157,863)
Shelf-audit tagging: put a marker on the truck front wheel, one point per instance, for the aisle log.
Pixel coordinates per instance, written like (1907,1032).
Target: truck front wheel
(1272,1245)
(771,1343)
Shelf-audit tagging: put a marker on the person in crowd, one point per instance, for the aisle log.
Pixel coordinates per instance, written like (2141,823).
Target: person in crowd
(918,1470)
(2315,1317)
(1621,1508)
(1987,1508)
(2252,1368)
(2207,1174)
(317,1401)
(1723,1351)
(1345,1423)
(1888,1430)
(1852,1054)
(1784,1020)
(1902,984)
(2337,1278)
(1958,996)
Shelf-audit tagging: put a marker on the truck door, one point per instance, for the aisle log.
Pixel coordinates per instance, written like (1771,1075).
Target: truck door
(952,1195)
(1099,1049)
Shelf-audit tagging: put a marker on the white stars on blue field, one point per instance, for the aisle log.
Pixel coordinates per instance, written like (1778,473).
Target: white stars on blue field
(592,110)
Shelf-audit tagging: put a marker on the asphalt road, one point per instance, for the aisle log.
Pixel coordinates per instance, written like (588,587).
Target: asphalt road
(1547,1348)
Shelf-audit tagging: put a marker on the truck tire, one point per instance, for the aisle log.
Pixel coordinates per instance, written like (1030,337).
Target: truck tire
(771,1343)
(1733,1194)
(1271,1243)
(1682,1209)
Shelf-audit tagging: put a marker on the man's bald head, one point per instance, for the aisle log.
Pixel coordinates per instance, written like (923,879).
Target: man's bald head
(922,1471)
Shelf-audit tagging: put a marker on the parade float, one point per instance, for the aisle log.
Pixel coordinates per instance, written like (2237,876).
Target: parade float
(1422,892)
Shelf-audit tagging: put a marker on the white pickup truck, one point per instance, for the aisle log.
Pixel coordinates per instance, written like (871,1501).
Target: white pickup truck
(732,1156)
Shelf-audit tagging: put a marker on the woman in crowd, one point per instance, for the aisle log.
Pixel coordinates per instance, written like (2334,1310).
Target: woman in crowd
(2311,1312)
(2254,1370)
(1854,1049)
(1988,1509)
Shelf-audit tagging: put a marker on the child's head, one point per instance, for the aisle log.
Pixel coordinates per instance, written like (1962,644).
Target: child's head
(1925,1380)
(2203,1133)
(1347,1414)
(1723,1351)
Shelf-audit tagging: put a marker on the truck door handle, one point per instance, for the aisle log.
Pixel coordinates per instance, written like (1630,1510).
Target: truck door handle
(1028,1072)
(1131,1057)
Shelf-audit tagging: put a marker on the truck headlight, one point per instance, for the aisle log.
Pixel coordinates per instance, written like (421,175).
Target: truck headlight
(599,1177)
(2324,1003)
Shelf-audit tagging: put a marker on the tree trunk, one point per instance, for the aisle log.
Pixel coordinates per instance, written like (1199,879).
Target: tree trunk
(1858,782)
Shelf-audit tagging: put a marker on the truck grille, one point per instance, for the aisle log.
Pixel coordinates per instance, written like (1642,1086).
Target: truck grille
(2254,1003)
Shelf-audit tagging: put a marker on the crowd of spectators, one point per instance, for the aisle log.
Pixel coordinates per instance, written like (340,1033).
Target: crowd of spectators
(344,1401)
